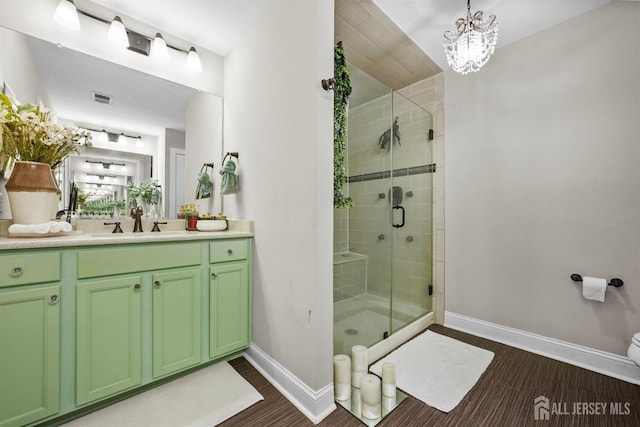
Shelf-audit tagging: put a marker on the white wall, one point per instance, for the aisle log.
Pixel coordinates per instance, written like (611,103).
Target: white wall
(279,119)
(18,68)
(203,144)
(542,180)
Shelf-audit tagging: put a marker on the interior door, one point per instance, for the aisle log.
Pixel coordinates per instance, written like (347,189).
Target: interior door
(177,180)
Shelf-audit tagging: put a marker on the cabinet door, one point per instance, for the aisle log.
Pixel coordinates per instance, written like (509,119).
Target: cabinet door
(229,305)
(177,320)
(108,338)
(29,355)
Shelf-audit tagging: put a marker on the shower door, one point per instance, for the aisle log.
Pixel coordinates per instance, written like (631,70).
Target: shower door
(411,213)
(382,244)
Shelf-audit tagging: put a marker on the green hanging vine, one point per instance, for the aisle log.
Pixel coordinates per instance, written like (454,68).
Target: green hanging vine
(341,90)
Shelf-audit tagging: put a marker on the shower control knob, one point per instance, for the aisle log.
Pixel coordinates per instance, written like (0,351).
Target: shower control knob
(381,237)
(409,238)
(381,195)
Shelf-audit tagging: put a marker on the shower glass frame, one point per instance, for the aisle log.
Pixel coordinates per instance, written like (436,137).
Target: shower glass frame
(390,283)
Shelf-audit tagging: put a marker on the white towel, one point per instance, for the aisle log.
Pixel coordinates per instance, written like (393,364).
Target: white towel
(59,226)
(51,227)
(29,228)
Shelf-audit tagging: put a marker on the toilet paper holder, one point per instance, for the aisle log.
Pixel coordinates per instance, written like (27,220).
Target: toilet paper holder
(616,283)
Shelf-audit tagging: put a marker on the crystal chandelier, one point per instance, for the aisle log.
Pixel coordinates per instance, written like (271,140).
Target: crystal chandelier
(470,45)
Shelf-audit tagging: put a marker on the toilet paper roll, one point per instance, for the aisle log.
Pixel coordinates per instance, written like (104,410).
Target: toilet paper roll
(593,288)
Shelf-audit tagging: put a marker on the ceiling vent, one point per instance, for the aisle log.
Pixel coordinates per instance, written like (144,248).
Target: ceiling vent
(102,98)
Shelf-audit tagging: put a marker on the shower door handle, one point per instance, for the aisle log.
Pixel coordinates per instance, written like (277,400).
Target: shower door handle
(403,212)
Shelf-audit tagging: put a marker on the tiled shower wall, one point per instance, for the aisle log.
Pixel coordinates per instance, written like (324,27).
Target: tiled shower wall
(349,276)
(366,227)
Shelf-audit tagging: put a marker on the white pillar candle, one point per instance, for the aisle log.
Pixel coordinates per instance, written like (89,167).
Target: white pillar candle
(388,379)
(388,404)
(371,396)
(341,376)
(359,364)
(356,402)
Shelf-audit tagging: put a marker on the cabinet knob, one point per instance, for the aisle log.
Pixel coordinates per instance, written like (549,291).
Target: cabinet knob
(214,276)
(229,251)
(137,287)
(156,284)
(53,299)
(16,271)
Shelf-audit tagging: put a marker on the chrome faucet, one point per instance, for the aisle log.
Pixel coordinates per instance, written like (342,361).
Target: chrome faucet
(137,226)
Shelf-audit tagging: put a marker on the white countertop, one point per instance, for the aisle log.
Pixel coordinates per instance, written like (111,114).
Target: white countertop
(91,236)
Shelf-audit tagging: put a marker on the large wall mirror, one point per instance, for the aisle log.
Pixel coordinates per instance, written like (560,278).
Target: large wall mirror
(138,121)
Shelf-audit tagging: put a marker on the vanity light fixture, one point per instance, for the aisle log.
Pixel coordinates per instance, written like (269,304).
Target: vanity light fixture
(193,61)
(67,15)
(118,33)
(159,50)
(470,45)
(105,165)
(101,177)
(113,136)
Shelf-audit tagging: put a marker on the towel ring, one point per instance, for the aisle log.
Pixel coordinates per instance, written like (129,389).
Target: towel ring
(231,154)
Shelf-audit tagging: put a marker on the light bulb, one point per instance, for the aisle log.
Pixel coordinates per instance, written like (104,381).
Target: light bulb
(159,50)
(118,33)
(193,61)
(67,15)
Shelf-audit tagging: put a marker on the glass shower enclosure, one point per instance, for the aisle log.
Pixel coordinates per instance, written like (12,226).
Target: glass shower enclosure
(382,269)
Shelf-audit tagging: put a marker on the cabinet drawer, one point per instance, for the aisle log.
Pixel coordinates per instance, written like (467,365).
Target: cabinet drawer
(228,250)
(130,258)
(24,269)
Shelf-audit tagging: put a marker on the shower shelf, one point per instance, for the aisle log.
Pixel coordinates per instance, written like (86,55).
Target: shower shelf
(342,257)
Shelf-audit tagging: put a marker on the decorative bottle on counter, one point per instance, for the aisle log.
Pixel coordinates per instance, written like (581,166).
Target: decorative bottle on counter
(191,221)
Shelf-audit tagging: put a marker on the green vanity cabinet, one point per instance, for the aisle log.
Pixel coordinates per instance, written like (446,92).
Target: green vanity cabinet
(229,297)
(84,325)
(29,354)
(108,337)
(177,320)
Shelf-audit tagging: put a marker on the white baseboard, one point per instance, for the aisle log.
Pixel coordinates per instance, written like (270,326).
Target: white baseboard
(595,360)
(315,405)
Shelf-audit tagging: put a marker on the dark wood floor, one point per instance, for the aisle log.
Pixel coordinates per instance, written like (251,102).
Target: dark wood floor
(502,397)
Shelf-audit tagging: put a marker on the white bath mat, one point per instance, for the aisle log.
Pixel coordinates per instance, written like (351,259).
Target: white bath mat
(436,369)
(202,399)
